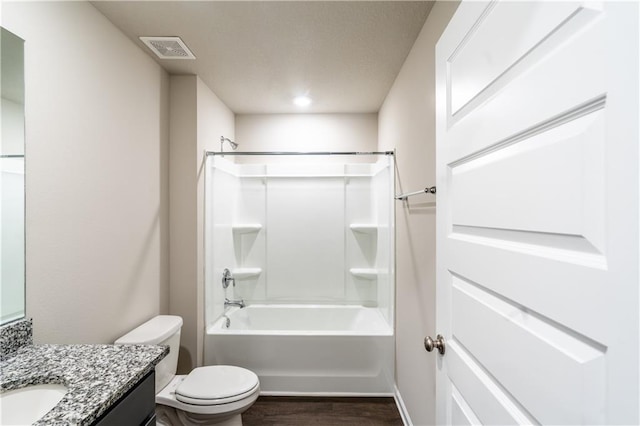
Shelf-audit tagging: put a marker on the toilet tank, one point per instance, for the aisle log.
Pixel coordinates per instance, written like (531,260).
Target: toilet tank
(160,330)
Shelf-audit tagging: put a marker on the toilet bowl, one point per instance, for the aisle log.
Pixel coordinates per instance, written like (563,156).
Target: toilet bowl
(211,395)
(218,392)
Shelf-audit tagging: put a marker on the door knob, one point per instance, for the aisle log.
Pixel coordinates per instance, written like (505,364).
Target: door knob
(430,344)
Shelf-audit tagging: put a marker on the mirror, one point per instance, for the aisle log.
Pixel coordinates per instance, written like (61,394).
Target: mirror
(12,177)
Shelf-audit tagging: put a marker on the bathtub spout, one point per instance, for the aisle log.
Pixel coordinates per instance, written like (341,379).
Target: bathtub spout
(239,303)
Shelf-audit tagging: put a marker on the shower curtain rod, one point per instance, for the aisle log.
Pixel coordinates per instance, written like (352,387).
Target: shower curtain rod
(207,153)
(427,190)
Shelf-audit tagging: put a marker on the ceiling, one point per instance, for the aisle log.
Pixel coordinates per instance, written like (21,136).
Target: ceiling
(257,55)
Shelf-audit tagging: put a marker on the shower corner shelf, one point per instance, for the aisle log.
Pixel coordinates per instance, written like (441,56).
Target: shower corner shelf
(364,228)
(365,273)
(244,273)
(246,228)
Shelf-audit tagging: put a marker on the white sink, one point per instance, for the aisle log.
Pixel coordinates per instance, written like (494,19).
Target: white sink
(27,405)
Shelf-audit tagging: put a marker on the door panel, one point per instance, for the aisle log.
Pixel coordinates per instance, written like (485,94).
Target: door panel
(461,413)
(537,226)
(482,57)
(514,106)
(554,177)
(581,281)
(575,364)
(485,397)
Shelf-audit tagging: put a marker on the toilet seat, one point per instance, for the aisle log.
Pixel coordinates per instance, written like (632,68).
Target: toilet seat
(217,384)
(168,397)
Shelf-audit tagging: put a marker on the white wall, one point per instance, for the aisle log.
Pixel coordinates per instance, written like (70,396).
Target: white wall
(182,213)
(407,123)
(198,118)
(96,174)
(306,132)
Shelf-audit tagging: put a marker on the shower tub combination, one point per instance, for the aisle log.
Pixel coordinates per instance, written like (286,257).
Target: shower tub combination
(307,349)
(309,241)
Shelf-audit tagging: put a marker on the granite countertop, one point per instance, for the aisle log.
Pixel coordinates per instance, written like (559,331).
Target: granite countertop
(96,375)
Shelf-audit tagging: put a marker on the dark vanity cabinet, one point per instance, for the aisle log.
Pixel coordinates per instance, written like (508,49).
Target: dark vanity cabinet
(136,407)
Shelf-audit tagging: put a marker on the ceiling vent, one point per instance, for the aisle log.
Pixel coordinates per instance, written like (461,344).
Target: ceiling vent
(168,47)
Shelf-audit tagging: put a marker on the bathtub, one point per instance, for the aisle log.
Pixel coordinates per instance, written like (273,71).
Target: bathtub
(307,349)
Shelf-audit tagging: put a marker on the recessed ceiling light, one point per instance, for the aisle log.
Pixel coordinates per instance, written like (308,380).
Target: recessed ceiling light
(302,101)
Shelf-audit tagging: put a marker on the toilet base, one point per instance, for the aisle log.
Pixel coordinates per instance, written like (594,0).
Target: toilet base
(169,416)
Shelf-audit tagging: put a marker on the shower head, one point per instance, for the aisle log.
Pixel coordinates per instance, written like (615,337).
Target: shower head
(234,145)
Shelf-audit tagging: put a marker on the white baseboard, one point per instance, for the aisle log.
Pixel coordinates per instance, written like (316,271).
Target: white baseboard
(406,420)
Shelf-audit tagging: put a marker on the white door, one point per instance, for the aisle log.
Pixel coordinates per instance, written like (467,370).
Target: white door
(537,226)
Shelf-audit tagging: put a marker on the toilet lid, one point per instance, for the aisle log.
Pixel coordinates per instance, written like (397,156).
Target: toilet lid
(216,384)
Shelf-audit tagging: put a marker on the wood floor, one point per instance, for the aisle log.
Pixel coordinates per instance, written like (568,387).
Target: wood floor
(302,411)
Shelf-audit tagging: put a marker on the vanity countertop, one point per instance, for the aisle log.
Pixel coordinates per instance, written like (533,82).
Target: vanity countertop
(96,375)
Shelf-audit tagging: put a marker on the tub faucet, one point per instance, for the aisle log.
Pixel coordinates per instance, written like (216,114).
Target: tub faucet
(239,303)
(227,278)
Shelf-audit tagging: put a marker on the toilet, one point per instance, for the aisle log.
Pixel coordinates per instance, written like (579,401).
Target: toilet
(211,395)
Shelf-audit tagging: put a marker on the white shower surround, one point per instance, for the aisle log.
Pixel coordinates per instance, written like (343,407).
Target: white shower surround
(300,231)
(304,237)
(319,350)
